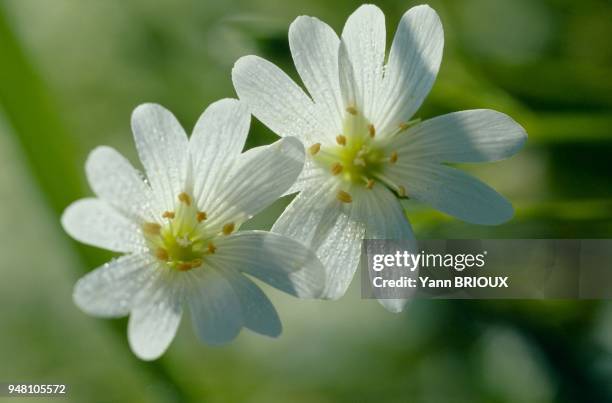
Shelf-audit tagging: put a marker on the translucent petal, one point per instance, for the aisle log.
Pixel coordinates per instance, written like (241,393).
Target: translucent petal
(275,259)
(94,222)
(163,149)
(467,136)
(110,290)
(114,180)
(414,61)
(452,191)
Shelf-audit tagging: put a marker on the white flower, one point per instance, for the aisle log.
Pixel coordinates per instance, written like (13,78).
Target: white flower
(365,151)
(178,230)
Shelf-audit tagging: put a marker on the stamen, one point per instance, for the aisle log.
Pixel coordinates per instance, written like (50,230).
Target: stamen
(211,247)
(184,198)
(371,130)
(401,191)
(161,254)
(228,228)
(336,168)
(201,216)
(168,214)
(151,228)
(393,157)
(184,266)
(359,161)
(340,139)
(370,183)
(314,149)
(405,125)
(352,110)
(344,197)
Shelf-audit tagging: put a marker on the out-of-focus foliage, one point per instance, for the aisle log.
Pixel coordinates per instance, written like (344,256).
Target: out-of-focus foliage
(72,71)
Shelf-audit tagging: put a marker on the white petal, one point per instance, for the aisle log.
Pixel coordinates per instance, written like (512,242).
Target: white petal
(413,65)
(311,174)
(467,136)
(348,81)
(384,217)
(259,177)
(216,142)
(452,191)
(155,318)
(275,259)
(216,312)
(163,149)
(109,291)
(362,57)
(258,312)
(381,212)
(113,179)
(314,47)
(317,219)
(394,305)
(94,222)
(276,100)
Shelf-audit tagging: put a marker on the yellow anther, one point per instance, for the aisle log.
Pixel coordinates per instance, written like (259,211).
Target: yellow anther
(401,191)
(184,198)
(344,197)
(211,247)
(352,110)
(201,216)
(161,254)
(228,228)
(340,139)
(404,125)
(370,183)
(151,228)
(168,214)
(336,168)
(393,157)
(371,130)
(184,266)
(314,149)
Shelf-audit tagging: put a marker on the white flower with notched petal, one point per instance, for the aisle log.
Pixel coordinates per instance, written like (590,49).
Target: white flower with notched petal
(364,149)
(178,230)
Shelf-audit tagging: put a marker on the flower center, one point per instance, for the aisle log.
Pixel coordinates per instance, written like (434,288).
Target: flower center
(359,157)
(182,241)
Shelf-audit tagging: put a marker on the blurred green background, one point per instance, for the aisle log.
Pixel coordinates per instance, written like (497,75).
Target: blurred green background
(71,71)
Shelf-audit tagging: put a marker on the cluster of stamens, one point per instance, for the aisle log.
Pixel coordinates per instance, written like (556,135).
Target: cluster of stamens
(181,239)
(358,157)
